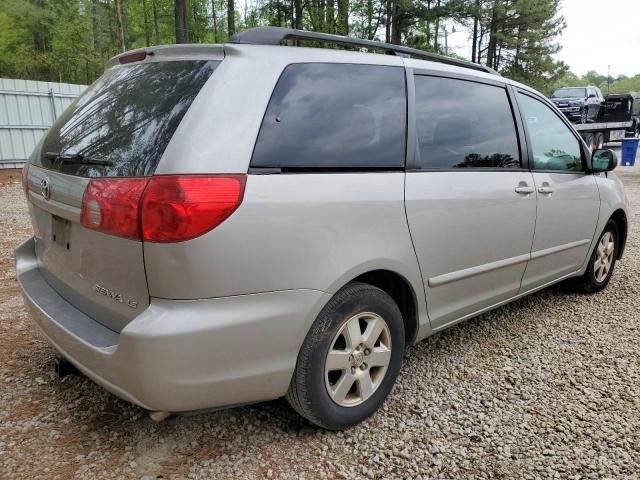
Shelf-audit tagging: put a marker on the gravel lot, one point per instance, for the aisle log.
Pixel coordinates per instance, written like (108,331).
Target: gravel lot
(547,387)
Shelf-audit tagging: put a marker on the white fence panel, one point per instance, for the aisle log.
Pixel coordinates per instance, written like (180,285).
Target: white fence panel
(27,110)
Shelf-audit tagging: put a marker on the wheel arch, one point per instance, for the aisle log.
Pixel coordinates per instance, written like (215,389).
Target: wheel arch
(620,219)
(402,292)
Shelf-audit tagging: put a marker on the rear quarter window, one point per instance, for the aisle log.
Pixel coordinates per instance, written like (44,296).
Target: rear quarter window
(334,116)
(121,125)
(463,124)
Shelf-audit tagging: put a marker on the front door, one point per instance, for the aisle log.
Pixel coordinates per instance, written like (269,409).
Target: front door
(470,204)
(568,198)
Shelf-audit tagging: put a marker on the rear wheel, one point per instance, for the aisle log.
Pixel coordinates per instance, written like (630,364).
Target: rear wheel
(350,358)
(601,263)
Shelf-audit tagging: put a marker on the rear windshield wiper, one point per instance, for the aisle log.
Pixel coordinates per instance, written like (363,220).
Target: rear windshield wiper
(76,158)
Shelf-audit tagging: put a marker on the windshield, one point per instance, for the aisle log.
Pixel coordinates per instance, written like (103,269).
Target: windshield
(121,125)
(569,92)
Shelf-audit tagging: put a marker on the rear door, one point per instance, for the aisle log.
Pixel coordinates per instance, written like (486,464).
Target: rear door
(568,198)
(118,128)
(470,201)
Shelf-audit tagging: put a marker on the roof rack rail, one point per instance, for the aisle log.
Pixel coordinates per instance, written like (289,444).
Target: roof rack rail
(276,35)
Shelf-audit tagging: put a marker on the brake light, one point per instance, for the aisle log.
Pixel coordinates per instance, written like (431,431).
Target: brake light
(25,179)
(169,208)
(178,208)
(133,57)
(111,205)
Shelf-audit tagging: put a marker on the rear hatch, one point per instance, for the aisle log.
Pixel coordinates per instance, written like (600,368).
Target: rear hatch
(118,128)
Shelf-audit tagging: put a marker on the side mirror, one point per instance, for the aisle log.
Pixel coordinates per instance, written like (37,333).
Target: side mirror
(603,160)
(592,95)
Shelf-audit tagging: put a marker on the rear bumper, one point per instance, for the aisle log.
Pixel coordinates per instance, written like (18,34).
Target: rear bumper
(179,355)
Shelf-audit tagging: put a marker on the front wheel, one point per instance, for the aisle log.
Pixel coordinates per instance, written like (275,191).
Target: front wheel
(601,263)
(350,358)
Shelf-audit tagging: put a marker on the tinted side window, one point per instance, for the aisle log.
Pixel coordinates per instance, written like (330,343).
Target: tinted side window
(554,145)
(461,124)
(334,116)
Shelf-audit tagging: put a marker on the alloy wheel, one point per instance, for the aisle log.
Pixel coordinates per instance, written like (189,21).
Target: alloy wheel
(358,359)
(604,257)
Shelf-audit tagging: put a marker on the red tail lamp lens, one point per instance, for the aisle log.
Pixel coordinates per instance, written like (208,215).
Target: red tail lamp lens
(112,206)
(163,208)
(178,208)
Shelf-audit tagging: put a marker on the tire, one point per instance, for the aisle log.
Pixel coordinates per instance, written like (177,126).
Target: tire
(593,281)
(599,140)
(360,306)
(589,139)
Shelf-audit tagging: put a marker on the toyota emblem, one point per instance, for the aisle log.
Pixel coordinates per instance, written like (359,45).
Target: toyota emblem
(45,188)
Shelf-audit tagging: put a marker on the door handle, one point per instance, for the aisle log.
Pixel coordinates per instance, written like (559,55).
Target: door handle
(524,189)
(545,190)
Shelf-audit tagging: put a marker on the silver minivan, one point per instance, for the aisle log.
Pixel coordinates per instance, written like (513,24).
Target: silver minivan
(216,225)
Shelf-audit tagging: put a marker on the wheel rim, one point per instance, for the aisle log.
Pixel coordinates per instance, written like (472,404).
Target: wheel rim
(604,257)
(358,359)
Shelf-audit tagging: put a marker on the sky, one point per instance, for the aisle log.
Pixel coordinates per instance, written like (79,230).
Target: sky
(598,33)
(601,33)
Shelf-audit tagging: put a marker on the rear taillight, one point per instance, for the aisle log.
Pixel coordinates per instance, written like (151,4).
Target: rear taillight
(112,205)
(171,208)
(178,208)
(25,179)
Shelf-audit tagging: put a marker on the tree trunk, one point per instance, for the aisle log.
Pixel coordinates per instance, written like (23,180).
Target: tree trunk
(231,17)
(436,34)
(123,46)
(297,7)
(278,14)
(95,26)
(215,21)
(156,28)
(396,30)
(147,33)
(493,41)
(343,17)
(182,31)
(387,37)
(474,45)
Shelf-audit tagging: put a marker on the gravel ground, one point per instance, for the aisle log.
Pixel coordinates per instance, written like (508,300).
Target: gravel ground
(546,387)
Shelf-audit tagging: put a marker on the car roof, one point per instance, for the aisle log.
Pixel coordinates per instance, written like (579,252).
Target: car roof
(292,54)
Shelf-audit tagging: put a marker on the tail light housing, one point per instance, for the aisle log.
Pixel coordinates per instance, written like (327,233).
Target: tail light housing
(171,208)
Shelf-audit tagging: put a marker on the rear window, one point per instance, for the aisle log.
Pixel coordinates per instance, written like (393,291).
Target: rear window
(122,124)
(334,116)
(569,92)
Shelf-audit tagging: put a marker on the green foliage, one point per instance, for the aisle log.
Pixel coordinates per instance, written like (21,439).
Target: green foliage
(70,40)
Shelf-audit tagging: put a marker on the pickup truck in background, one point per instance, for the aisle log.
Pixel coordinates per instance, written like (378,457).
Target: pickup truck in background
(579,104)
(600,119)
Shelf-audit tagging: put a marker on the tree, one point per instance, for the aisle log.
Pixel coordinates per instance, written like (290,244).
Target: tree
(72,39)
(231,17)
(182,28)
(119,17)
